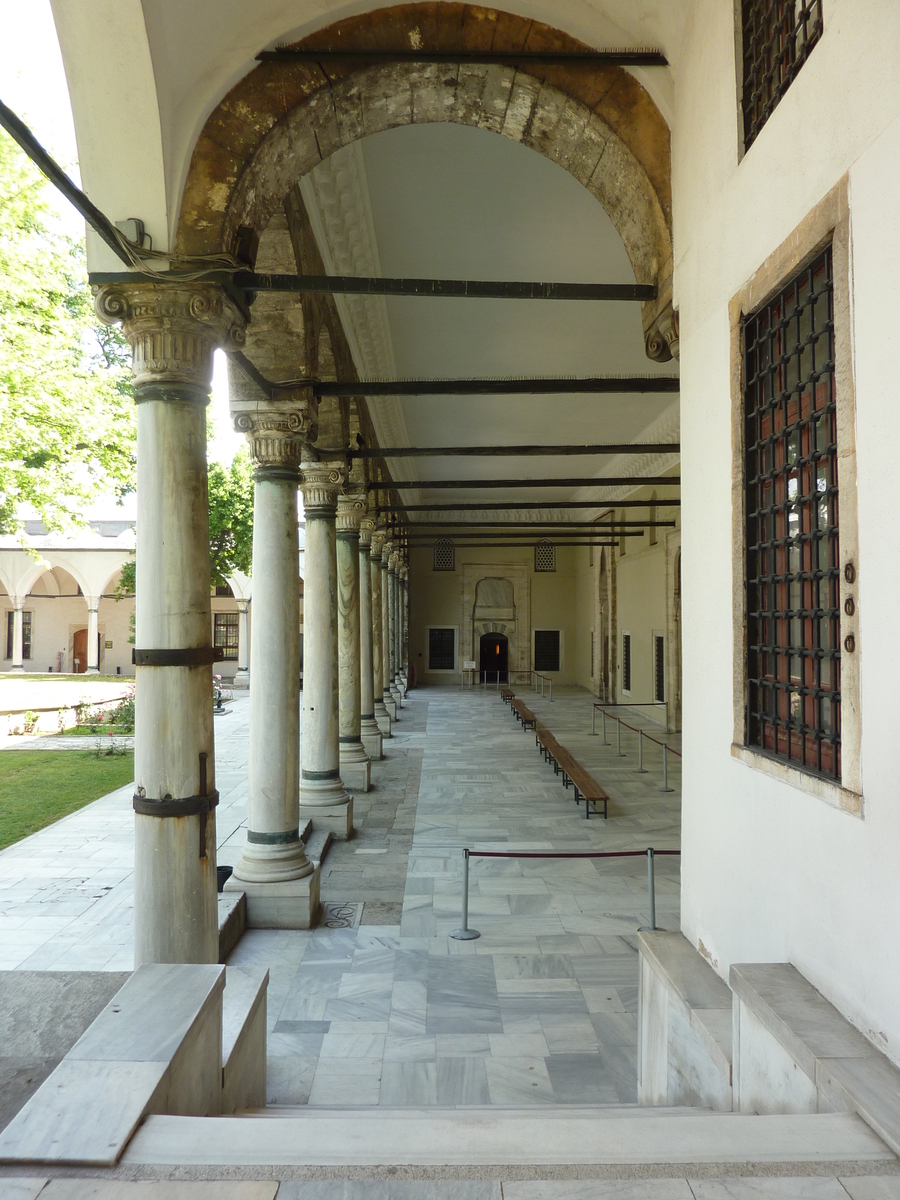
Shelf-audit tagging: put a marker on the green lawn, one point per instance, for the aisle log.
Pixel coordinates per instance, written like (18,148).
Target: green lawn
(37,787)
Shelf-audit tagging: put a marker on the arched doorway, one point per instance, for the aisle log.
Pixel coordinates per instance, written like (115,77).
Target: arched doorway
(494,657)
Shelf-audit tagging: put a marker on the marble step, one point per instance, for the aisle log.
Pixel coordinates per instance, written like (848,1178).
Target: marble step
(318,843)
(461,1137)
(244,1037)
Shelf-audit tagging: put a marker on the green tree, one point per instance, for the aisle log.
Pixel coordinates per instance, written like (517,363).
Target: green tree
(67,428)
(230,518)
(230,524)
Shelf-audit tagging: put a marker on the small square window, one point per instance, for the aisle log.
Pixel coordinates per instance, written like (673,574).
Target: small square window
(444,555)
(544,556)
(626,663)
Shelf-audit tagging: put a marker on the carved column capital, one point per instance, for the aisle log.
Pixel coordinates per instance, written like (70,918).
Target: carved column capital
(321,484)
(377,545)
(172,328)
(386,551)
(277,430)
(366,530)
(351,508)
(394,562)
(661,341)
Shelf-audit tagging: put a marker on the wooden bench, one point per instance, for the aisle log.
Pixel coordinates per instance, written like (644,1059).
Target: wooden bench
(524,715)
(507,694)
(586,787)
(548,746)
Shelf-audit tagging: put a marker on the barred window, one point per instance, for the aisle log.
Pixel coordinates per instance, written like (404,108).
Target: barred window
(26,633)
(778,37)
(659,668)
(441,649)
(626,662)
(225,634)
(444,555)
(793,701)
(546,649)
(544,556)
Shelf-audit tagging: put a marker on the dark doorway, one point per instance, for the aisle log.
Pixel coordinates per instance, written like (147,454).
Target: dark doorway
(494,657)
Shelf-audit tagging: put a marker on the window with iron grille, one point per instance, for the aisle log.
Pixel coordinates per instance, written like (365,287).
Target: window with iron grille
(546,649)
(777,36)
(444,555)
(26,633)
(793,699)
(626,662)
(544,556)
(659,668)
(592,654)
(225,634)
(441,649)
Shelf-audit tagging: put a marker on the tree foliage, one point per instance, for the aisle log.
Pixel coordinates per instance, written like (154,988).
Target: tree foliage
(230,518)
(67,428)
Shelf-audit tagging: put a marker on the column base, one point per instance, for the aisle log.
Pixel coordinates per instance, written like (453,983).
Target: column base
(390,704)
(92,671)
(371,739)
(18,667)
(397,693)
(241,680)
(383,719)
(293,904)
(356,770)
(337,819)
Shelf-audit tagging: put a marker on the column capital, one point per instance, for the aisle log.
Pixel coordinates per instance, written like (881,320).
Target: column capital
(394,562)
(172,328)
(278,430)
(386,551)
(366,531)
(351,509)
(321,484)
(377,544)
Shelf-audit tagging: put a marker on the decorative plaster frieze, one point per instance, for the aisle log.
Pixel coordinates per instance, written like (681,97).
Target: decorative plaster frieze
(336,195)
(172,329)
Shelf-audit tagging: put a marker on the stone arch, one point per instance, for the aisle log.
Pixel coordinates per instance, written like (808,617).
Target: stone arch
(282,119)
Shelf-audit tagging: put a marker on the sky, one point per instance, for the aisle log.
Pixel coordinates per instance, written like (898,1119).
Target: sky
(33,85)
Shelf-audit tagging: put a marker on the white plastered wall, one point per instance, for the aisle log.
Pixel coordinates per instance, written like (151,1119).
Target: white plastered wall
(770,872)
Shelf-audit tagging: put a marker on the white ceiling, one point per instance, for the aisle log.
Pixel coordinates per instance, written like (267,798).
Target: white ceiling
(453,202)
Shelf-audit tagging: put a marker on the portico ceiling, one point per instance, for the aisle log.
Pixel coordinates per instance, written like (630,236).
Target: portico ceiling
(448,201)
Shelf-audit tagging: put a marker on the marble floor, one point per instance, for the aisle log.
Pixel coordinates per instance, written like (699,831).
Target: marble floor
(540,1010)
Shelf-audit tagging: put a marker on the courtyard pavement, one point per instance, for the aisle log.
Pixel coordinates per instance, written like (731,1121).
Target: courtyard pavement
(388,1009)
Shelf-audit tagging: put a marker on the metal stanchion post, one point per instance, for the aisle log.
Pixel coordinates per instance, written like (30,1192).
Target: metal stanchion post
(593,721)
(619,738)
(651,887)
(603,713)
(464,933)
(551,691)
(665,786)
(639,769)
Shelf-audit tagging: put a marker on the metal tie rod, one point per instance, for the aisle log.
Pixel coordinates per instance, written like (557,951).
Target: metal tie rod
(510,451)
(638,57)
(518,505)
(477,289)
(475,484)
(596,385)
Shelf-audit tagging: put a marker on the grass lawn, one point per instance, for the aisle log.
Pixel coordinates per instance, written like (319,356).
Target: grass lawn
(37,787)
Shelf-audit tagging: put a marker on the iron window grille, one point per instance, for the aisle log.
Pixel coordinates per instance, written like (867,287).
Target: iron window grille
(26,633)
(793,697)
(546,649)
(626,662)
(544,556)
(778,37)
(441,649)
(444,555)
(659,668)
(225,634)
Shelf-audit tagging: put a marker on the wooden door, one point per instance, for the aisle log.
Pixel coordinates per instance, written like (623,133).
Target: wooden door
(79,651)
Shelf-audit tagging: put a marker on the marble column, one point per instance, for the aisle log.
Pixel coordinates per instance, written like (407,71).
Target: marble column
(387,656)
(404,623)
(93,637)
(393,564)
(242,675)
(18,647)
(355,765)
(323,796)
(281,884)
(376,575)
(369,731)
(173,330)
